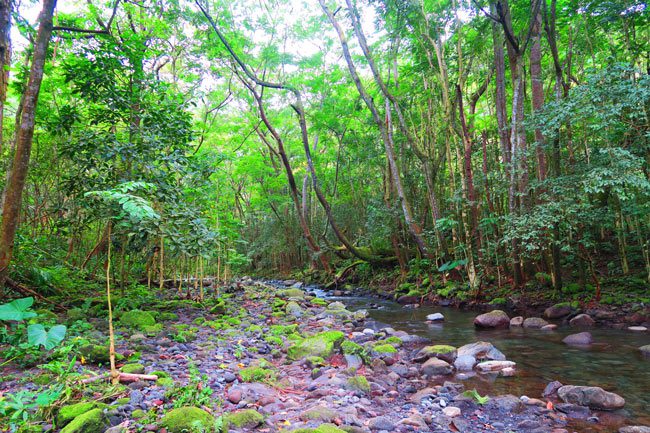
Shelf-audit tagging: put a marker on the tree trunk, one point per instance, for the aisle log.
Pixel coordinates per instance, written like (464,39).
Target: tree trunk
(24,136)
(5,58)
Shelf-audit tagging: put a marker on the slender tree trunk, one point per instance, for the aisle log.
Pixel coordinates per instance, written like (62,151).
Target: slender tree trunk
(24,136)
(6,7)
(537,88)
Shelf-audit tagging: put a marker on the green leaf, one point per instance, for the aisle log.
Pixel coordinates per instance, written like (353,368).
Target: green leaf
(17,310)
(37,336)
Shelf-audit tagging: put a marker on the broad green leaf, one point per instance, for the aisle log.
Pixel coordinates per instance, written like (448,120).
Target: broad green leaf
(37,336)
(17,310)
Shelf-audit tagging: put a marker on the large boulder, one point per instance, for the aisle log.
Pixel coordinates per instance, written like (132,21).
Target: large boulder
(592,396)
(440,351)
(248,418)
(493,319)
(464,362)
(535,323)
(322,345)
(185,419)
(92,421)
(481,350)
(558,311)
(436,367)
(294,309)
(582,321)
(294,293)
(580,339)
(70,412)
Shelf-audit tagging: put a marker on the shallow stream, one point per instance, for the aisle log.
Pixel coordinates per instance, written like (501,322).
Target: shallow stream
(613,362)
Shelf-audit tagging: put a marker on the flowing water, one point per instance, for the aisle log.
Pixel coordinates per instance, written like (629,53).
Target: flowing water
(613,362)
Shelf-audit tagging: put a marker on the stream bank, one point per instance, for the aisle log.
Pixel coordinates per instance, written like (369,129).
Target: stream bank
(266,358)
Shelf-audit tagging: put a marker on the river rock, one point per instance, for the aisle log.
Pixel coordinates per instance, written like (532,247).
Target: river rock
(516,321)
(464,363)
(495,319)
(582,321)
(634,429)
(381,423)
(535,323)
(549,327)
(440,351)
(481,350)
(488,366)
(645,350)
(451,411)
(436,367)
(593,397)
(581,338)
(558,311)
(552,388)
(294,309)
(637,328)
(435,317)
(406,299)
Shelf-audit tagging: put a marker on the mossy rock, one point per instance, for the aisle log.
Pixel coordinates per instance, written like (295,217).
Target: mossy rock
(319,413)
(219,307)
(133,368)
(359,383)
(138,414)
(95,354)
(160,374)
(168,316)
(152,330)
(322,345)
(248,419)
(384,348)
(291,293)
(92,421)
(315,361)
(188,419)
(43,379)
(254,328)
(283,329)
(395,341)
(272,339)
(319,302)
(70,412)
(74,314)
(137,319)
(294,309)
(257,374)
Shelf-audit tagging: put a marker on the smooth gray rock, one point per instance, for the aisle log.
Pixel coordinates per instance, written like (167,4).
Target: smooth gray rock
(495,319)
(435,317)
(481,350)
(580,339)
(634,429)
(464,362)
(535,323)
(593,397)
(436,367)
(582,321)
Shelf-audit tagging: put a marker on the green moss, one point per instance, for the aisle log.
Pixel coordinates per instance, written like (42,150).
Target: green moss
(133,368)
(188,419)
(152,330)
(248,418)
(257,374)
(199,321)
(319,413)
(92,421)
(43,379)
(70,412)
(283,329)
(440,348)
(138,413)
(499,301)
(319,302)
(395,341)
(166,316)
(322,345)
(233,321)
(291,293)
(384,348)
(254,328)
(75,314)
(137,319)
(166,382)
(219,307)
(95,354)
(272,339)
(359,383)
(315,361)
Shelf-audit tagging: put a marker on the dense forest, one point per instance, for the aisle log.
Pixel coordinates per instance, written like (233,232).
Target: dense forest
(478,151)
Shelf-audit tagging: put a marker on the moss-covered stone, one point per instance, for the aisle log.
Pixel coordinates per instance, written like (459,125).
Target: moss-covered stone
(248,418)
(70,412)
(152,330)
(137,319)
(188,419)
(95,354)
(291,293)
(384,348)
(168,316)
(322,345)
(319,413)
(75,314)
(219,307)
(254,328)
(133,368)
(272,339)
(319,302)
(138,414)
(257,374)
(283,329)
(315,361)
(294,309)
(358,383)
(92,421)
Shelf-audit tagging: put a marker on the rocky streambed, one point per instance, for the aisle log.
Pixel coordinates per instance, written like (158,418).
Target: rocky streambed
(269,359)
